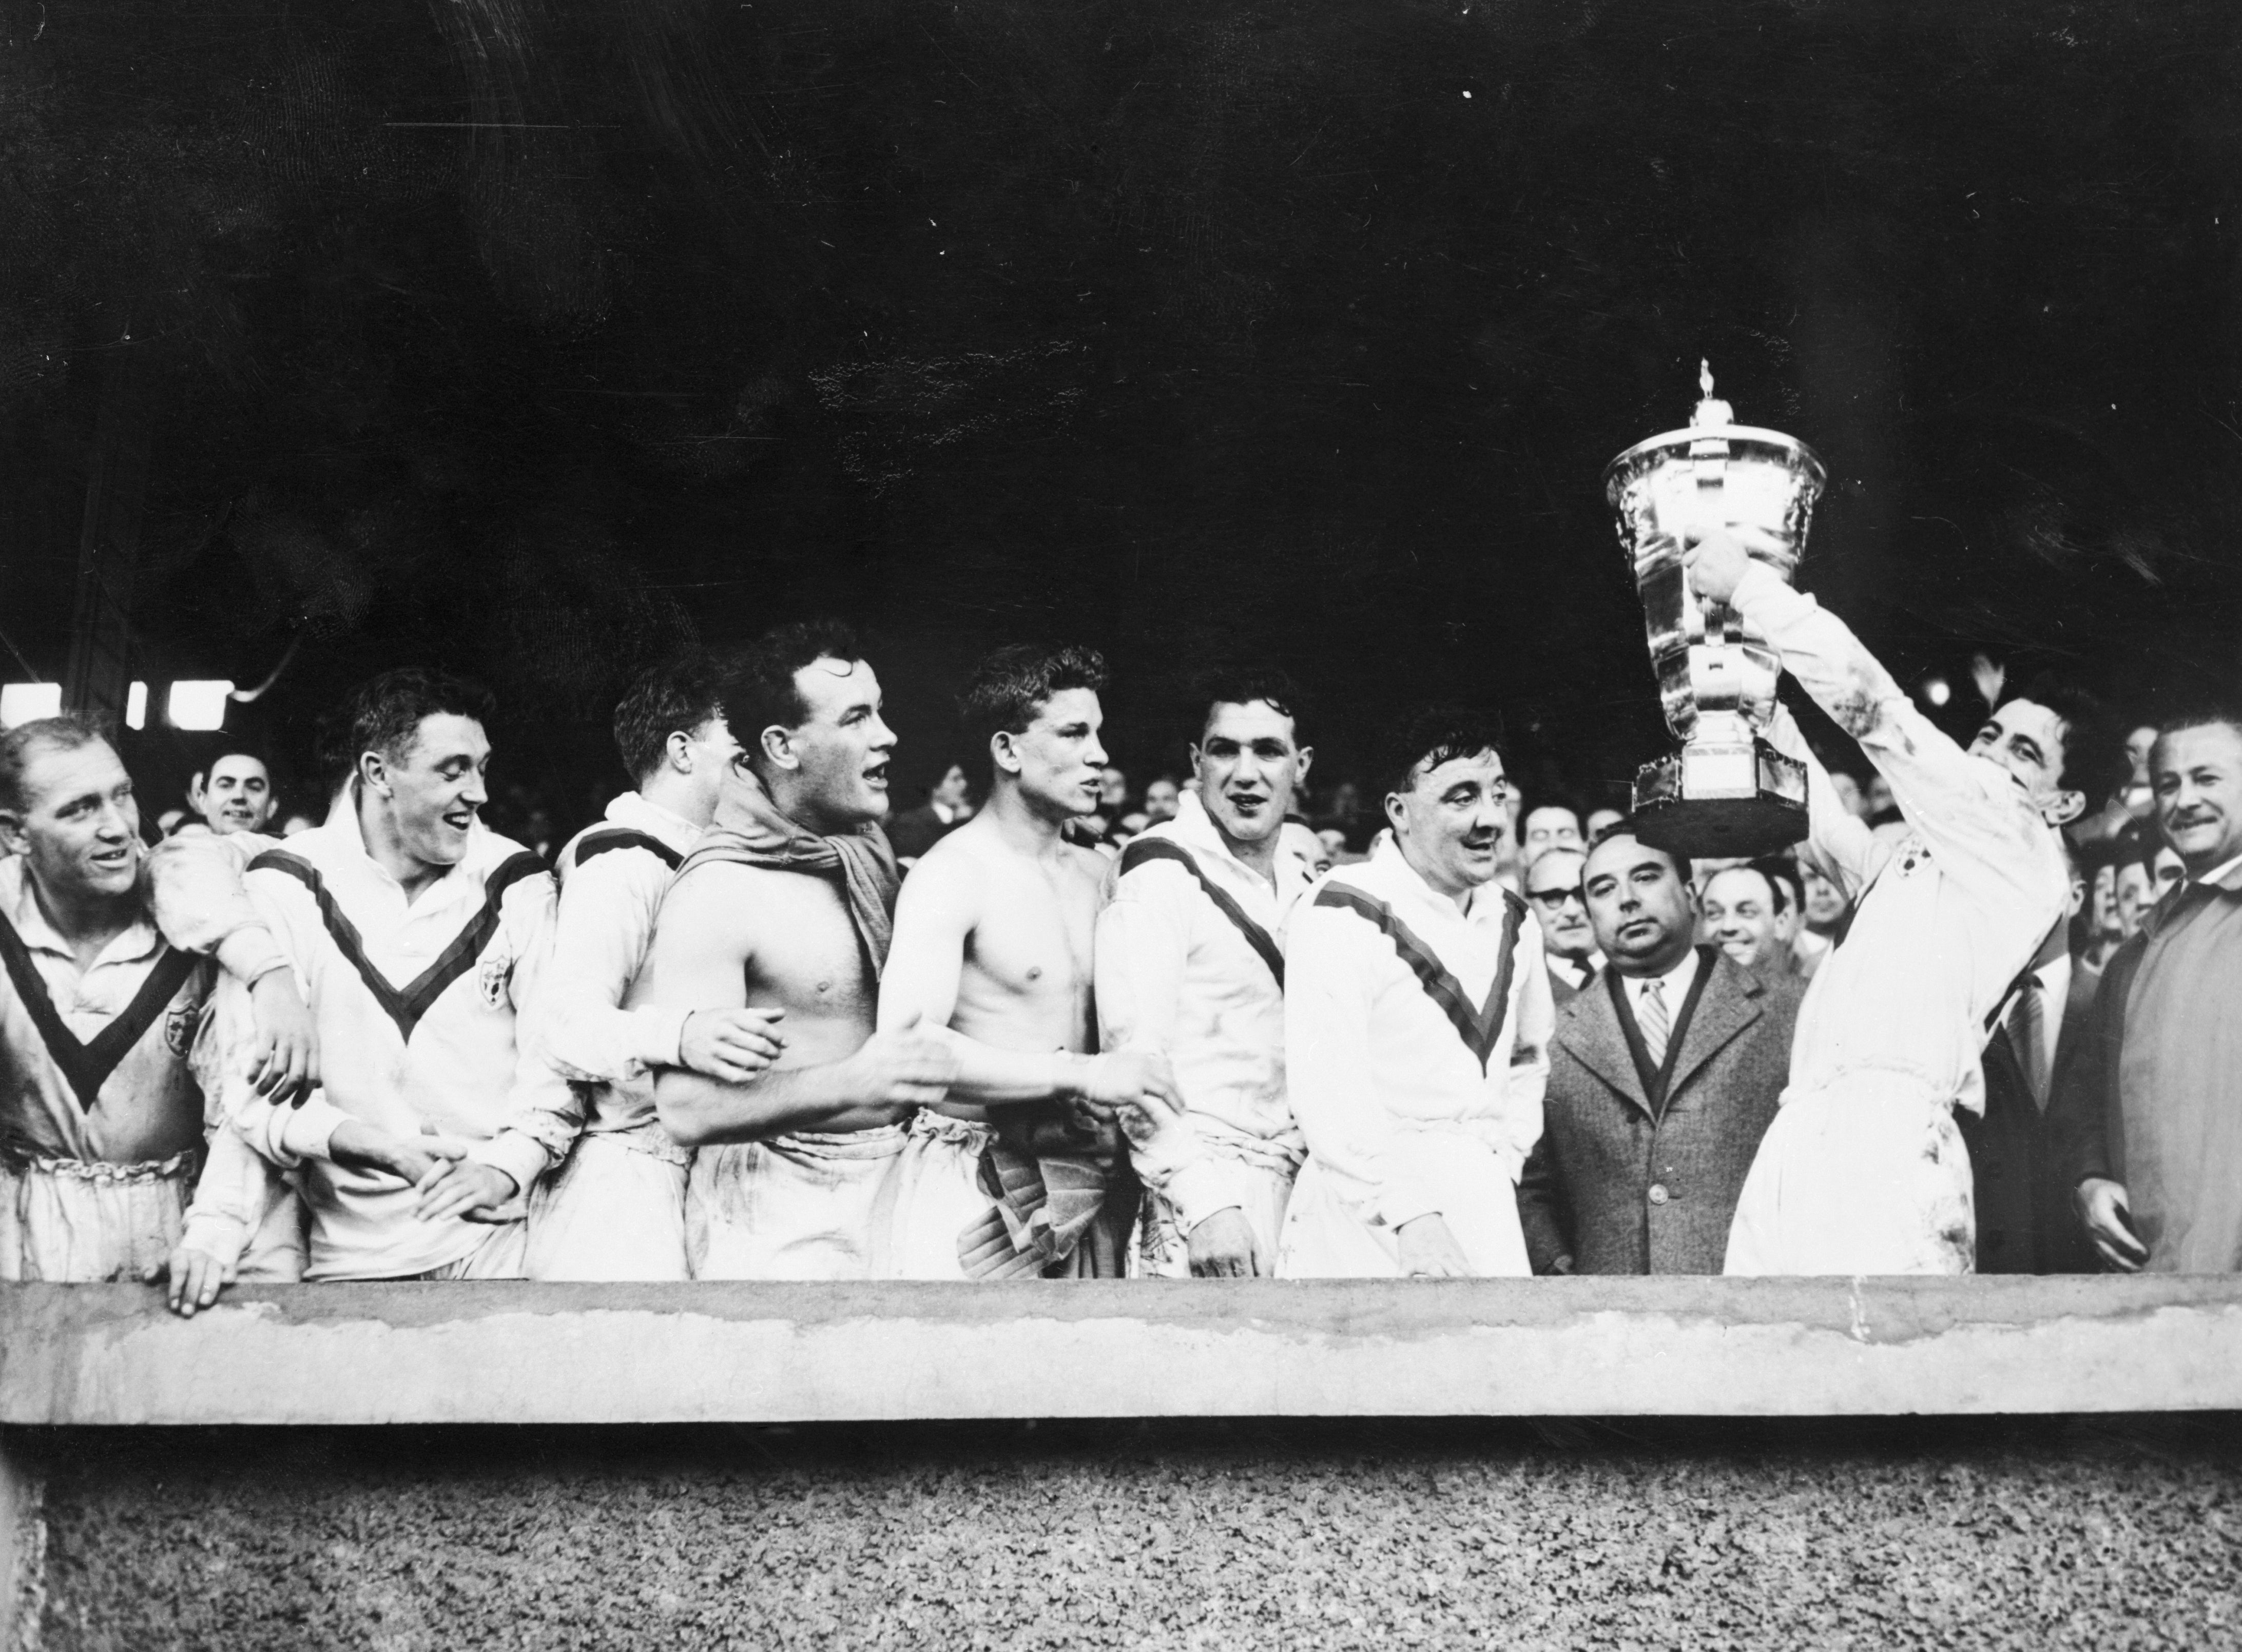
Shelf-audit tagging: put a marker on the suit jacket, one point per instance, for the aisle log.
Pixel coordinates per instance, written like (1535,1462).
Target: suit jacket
(916,830)
(1641,1174)
(2024,1220)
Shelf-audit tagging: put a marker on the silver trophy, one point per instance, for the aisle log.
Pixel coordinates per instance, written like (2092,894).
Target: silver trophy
(1727,792)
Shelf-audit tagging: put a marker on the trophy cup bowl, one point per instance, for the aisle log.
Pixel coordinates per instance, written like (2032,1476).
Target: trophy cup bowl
(1727,792)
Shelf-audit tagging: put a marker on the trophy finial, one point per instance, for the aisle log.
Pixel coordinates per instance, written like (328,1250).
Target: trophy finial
(1712,410)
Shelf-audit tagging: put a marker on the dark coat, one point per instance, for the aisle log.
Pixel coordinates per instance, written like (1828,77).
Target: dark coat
(1621,1183)
(916,830)
(2024,1220)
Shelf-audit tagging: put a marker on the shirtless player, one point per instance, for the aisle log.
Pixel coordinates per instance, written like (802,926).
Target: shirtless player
(785,904)
(993,944)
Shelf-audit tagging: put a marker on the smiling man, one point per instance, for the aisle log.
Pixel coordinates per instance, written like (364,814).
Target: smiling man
(234,794)
(101,1113)
(2148,1115)
(1417,1018)
(1864,1169)
(1190,964)
(993,949)
(416,934)
(787,905)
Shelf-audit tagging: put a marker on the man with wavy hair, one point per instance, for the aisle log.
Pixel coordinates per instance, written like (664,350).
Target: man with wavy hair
(1020,1173)
(1864,1168)
(786,904)
(1190,962)
(1417,1024)
(416,934)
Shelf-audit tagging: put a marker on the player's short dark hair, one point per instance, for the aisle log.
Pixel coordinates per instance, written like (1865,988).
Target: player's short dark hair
(676,697)
(1781,874)
(66,731)
(758,691)
(203,770)
(1553,799)
(1630,826)
(1010,686)
(1430,735)
(1241,685)
(2094,761)
(384,713)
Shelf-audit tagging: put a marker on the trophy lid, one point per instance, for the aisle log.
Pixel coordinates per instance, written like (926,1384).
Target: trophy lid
(1714,434)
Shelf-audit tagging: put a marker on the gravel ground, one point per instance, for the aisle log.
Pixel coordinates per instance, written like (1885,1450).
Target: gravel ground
(1341,1535)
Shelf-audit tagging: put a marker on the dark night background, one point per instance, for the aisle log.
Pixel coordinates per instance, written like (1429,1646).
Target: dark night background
(534,338)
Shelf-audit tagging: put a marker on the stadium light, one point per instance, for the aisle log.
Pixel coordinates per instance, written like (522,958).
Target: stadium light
(22,701)
(200,705)
(136,706)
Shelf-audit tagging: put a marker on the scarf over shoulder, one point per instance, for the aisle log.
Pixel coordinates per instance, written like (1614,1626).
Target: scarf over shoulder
(749,830)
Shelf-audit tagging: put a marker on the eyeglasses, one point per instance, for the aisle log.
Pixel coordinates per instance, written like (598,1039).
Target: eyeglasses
(1554,899)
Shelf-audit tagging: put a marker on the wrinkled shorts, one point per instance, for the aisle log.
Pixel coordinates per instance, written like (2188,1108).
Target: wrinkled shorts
(1866,1173)
(498,1257)
(69,1222)
(1327,1237)
(937,1197)
(804,1205)
(614,1210)
(1162,1249)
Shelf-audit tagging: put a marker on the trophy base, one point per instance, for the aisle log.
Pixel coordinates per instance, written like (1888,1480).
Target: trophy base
(1722,802)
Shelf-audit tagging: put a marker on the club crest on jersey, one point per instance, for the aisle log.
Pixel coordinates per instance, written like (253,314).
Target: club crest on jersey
(179,1028)
(494,974)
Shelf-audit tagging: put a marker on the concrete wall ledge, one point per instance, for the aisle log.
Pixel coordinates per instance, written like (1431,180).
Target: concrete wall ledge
(109,1355)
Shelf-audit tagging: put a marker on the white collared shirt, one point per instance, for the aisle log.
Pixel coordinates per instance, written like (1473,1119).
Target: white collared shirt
(1673,988)
(461,1073)
(1174,974)
(1948,917)
(1370,1052)
(148,1106)
(1576,972)
(577,1021)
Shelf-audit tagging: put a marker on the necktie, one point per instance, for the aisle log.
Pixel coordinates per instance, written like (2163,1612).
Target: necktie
(1650,1015)
(2028,1036)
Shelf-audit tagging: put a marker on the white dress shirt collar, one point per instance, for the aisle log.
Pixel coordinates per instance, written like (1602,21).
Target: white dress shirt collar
(1673,986)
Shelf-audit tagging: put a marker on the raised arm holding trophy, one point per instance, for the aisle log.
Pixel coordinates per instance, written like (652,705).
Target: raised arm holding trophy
(1864,1170)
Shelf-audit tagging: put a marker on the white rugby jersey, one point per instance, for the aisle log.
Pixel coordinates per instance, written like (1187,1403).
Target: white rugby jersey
(417,1008)
(96,1064)
(612,877)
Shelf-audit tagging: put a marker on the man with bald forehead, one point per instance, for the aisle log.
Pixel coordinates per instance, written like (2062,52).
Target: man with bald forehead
(101,1104)
(1864,1169)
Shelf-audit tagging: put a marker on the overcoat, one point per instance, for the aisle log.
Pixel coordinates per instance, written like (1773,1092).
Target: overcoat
(1639,1172)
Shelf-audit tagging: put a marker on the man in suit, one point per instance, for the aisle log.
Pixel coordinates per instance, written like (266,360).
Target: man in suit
(1553,892)
(946,808)
(1664,1073)
(2024,1223)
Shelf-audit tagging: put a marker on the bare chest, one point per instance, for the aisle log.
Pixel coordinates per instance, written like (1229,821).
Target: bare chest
(807,959)
(1034,939)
